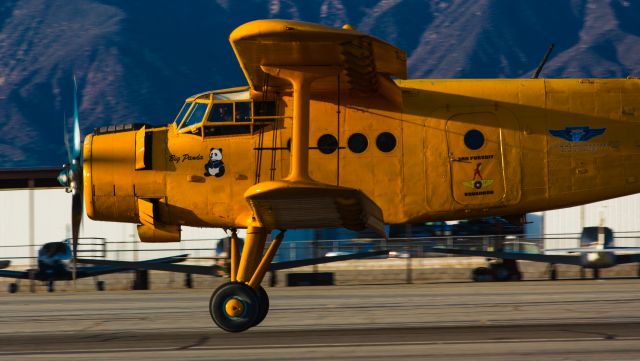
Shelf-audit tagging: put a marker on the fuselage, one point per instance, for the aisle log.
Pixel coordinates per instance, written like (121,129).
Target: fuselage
(53,262)
(452,149)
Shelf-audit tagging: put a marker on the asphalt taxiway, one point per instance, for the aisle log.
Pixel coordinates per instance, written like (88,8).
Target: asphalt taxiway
(534,320)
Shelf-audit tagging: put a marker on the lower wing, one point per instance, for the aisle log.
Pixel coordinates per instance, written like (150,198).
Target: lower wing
(217,270)
(14,274)
(104,266)
(547,258)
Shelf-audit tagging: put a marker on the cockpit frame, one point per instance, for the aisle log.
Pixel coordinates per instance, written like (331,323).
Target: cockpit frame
(228,112)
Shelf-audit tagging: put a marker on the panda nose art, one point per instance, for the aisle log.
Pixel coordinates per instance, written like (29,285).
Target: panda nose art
(215,165)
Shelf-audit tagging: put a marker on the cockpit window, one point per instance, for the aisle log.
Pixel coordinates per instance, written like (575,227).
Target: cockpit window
(182,112)
(196,115)
(221,113)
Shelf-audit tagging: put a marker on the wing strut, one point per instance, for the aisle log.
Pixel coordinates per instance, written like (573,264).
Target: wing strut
(301,78)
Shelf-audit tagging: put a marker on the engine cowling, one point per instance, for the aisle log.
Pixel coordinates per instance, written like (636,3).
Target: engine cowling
(124,180)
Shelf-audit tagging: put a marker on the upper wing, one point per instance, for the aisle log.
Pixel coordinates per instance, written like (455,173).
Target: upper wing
(28,178)
(547,258)
(366,63)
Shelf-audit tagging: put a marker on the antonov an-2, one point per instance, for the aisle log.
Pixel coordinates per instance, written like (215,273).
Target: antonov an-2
(329,133)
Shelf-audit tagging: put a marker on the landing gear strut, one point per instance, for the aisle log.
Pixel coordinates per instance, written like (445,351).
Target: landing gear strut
(553,273)
(242,303)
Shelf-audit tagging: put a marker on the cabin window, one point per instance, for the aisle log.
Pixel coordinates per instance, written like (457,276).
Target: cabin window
(327,144)
(264,109)
(474,139)
(357,143)
(183,111)
(386,142)
(196,115)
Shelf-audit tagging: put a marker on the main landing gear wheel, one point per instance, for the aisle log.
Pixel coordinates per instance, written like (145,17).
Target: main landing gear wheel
(264,305)
(13,287)
(235,307)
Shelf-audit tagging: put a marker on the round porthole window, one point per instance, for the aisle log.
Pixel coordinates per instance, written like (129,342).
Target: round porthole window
(386,142)
(474,139)
(357,143)
(327,144)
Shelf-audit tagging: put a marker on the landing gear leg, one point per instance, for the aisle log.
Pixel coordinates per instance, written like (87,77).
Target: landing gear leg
(100,285)
(553,273)
(596,273)
(188,280)
(242,303)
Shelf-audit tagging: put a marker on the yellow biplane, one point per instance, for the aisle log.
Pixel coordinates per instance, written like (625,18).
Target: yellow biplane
(328,133)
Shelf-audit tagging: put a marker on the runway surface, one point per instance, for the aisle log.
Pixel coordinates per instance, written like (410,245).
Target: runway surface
(535,320)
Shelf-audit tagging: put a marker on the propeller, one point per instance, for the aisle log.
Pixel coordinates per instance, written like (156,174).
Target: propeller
(71,176)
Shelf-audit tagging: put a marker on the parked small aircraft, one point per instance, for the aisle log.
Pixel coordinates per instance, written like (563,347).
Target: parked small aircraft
(596,251)
(54,265)
(328,133)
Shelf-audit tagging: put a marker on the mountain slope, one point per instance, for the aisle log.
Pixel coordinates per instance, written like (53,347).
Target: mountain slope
(136,63)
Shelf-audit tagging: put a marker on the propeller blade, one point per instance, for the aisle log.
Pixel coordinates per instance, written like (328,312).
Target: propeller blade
(76,122)
(76,216)
(67,146)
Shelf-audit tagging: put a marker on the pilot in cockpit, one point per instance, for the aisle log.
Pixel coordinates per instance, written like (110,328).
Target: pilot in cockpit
(222,113)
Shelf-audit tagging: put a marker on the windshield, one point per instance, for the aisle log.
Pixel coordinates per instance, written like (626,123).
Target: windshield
(196,115)
(182,112)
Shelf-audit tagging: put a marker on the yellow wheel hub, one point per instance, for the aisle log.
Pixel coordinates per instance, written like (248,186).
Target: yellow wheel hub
(234,307)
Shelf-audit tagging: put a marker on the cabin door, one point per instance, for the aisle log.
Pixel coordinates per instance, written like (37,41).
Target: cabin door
(475,158)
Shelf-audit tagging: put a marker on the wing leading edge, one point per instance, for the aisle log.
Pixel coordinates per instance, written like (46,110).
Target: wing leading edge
(547,258)
(366,63)
(215,271)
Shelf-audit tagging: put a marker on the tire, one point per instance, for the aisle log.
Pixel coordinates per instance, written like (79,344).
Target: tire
(482,274)
(50,286)
(234,307)
(263,298)
(501,273)
(13,287)
(516,276)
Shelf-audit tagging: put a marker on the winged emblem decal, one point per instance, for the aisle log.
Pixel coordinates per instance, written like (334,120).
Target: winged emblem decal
(577,134)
